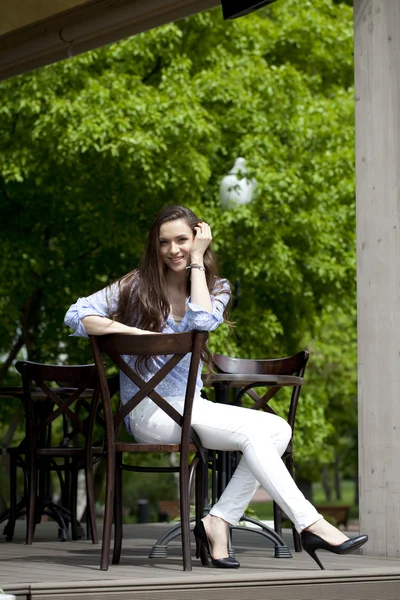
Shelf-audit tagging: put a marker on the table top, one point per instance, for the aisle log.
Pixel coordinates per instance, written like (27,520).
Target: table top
(11,392)
(18,392)
(233,380)
(244,379)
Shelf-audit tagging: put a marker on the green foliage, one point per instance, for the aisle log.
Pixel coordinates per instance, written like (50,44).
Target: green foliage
(151,486)
(91,148)
(333,379)
(264,510)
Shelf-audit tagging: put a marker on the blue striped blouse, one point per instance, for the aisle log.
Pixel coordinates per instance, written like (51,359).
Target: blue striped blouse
(105,302)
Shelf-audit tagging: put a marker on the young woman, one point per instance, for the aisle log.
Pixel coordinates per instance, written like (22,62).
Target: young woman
(176,289)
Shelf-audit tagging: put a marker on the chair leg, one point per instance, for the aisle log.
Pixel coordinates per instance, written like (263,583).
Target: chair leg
(108,511)
(185,515)
(13,498)
(296,536)
(277,519)
(90,505)
(31,499)
(200,496)
(73,481)
(118,509)
(278,528)
(67,483)
(200,490)
(296,540)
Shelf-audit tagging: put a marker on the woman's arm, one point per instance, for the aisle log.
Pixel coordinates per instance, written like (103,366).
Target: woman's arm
(95,325)
(199,291)
(198,318)
(90,316)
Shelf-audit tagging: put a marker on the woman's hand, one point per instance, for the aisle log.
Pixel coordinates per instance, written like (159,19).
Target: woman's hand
(201,242)
(199,292)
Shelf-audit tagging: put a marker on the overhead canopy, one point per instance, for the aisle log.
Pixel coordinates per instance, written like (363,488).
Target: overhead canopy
(35,33)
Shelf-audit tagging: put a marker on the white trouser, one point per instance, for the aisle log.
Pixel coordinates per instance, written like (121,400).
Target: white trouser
(260,436)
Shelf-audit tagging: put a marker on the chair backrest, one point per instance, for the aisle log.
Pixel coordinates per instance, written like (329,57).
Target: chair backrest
(175,345)
(53,393)
(291,365)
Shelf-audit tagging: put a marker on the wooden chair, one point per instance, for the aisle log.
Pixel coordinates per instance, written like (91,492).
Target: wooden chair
(55,441)
(292,365)
(177,346)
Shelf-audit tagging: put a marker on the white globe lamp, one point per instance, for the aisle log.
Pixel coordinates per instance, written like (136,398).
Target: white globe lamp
(235,188)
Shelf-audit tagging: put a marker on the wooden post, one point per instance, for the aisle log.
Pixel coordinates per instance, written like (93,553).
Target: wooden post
(377,95)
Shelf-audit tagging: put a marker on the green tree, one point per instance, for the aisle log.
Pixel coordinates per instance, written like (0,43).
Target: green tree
(91,148)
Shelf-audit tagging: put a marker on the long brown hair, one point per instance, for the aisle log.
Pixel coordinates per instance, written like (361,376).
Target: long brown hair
(143,301)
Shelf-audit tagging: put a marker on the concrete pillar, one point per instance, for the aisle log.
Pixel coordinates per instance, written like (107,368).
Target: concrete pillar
(377,92)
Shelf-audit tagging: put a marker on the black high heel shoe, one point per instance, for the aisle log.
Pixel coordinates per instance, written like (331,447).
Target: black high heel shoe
(312,542)
(203,549)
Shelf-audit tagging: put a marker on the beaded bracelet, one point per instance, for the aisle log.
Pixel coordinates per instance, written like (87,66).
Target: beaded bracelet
(195,266)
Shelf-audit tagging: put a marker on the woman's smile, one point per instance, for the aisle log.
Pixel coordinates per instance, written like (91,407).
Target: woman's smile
(176,263)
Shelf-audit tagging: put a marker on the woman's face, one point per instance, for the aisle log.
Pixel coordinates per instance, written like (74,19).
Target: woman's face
(176,239)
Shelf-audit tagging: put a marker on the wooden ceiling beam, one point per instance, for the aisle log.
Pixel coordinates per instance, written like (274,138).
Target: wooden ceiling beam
(86,27)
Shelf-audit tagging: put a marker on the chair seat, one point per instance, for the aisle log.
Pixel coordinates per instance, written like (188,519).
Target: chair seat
(136,447)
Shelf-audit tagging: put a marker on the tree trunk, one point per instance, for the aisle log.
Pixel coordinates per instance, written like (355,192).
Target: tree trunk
(326,483)
(29,321)
(305,486)
(338,479)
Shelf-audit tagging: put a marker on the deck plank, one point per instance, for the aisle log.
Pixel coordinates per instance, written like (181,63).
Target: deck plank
(59,570)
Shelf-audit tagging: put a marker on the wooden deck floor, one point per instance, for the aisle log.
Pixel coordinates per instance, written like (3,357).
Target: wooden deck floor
(70,570)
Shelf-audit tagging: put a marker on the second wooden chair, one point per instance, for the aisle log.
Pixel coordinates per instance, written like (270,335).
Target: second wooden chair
(291,365)
(54,442)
